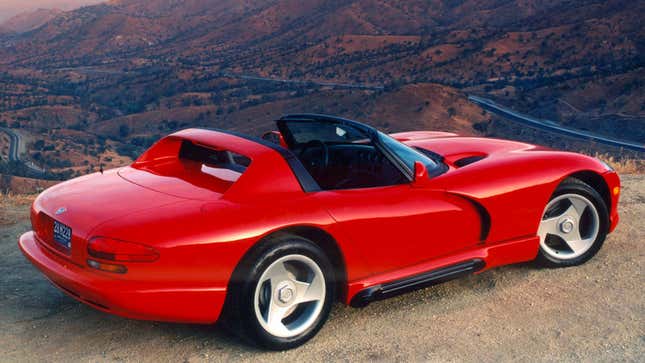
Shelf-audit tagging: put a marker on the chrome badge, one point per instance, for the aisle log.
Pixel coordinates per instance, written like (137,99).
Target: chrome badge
(61,210)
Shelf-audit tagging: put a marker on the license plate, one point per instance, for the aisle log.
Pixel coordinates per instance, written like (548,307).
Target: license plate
(63,235)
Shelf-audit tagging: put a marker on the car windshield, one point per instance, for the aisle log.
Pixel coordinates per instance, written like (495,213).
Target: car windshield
(407,154)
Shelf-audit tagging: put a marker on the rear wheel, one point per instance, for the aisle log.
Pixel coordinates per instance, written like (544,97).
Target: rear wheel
(282,293)
(573,226)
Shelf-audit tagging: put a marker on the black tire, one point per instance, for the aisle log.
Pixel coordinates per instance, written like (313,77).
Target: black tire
(578,187)
(239,311)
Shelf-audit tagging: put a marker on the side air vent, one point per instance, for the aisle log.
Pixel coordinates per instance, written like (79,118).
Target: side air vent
(468,160)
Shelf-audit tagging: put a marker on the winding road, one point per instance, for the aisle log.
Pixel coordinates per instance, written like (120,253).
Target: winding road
(14,143)
(14,150)
(547,125)
(303,82)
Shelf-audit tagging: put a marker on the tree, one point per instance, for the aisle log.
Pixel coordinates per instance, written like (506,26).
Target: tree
(5,183)
(124,130)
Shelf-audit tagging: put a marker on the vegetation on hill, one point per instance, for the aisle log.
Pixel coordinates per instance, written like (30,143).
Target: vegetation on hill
(99,84)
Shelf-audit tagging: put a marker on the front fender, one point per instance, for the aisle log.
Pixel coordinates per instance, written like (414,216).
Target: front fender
(515,187)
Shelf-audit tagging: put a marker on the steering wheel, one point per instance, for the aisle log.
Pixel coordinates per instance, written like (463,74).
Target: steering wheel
(323,160)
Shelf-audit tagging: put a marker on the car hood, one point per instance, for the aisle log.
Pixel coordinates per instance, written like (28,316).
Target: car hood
(461,151)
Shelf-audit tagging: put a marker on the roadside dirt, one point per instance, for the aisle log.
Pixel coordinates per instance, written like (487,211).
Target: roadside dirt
(594,312)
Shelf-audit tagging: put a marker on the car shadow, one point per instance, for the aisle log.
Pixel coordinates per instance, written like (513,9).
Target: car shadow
(39,306)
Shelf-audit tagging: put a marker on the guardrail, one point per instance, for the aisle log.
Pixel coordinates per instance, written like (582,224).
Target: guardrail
(551,125)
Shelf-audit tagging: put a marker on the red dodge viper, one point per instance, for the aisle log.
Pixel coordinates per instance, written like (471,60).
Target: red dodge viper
(267,233)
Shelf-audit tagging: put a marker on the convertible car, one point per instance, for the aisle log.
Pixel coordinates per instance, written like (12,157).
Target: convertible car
(265,234)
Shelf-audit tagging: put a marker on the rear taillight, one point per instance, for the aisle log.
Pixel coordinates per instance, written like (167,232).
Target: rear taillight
(115,250)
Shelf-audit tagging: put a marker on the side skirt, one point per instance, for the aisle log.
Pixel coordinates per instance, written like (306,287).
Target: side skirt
(425,279)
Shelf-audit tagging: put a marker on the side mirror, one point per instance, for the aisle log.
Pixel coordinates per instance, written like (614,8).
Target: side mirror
(420,174)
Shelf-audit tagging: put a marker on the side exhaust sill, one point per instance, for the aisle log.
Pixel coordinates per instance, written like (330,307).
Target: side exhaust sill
(398,287)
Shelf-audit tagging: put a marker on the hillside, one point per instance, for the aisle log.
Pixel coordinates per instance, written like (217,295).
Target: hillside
(114,76)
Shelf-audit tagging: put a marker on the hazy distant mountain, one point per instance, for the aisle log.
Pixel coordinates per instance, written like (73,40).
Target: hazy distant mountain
(30,20)
(10,8)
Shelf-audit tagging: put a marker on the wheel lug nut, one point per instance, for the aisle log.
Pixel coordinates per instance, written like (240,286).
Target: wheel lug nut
(567,225)
(285,294)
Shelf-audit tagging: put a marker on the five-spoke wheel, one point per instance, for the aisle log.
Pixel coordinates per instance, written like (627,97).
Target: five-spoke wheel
(573,226)
(569,227)
(282,292)
(289,295)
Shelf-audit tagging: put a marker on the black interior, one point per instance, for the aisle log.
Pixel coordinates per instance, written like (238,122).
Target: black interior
(348,166)
(339,153)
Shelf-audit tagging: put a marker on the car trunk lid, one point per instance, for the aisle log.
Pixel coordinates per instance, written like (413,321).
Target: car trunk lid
(82,204)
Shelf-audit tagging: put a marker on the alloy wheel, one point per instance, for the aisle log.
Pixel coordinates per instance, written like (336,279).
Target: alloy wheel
(289,295)
(569,226)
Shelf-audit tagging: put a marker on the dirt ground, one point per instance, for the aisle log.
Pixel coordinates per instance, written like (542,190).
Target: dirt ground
(594,312)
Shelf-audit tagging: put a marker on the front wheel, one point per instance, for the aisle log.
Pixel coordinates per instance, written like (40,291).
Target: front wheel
(574,225)
(282,294)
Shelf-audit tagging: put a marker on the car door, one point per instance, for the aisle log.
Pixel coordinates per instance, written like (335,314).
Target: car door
(365,181)
(400,225)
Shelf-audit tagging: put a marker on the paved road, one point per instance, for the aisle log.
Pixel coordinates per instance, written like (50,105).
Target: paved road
(14,150)
(302,82)
(551,126)
(14,142)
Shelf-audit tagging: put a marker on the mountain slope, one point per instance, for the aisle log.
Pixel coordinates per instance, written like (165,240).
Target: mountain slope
(135,69)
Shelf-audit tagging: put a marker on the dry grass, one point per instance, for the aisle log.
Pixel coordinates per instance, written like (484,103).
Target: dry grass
(16,199)
(25,186)
(624,165)
(9,214)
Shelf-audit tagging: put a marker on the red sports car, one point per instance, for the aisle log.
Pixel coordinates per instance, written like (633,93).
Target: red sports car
(267,234)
